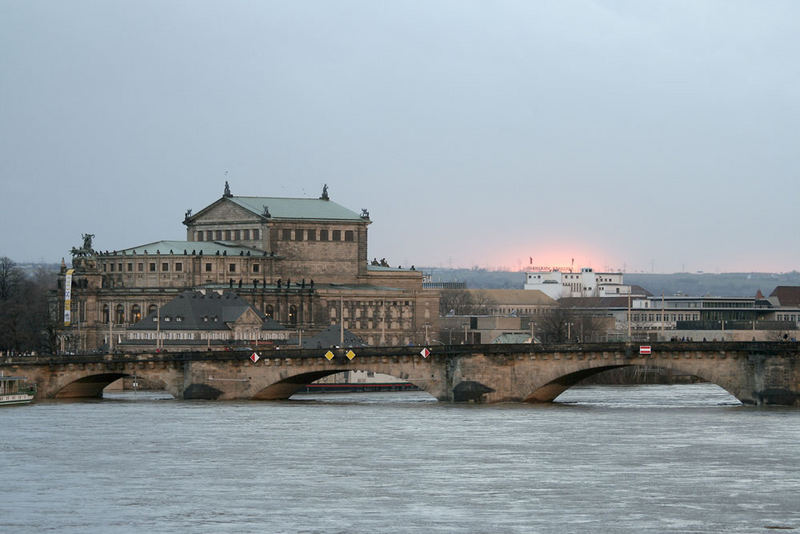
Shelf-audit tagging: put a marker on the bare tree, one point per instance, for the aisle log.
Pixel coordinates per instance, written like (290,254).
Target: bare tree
(25,320)
(562,324)
(464,302)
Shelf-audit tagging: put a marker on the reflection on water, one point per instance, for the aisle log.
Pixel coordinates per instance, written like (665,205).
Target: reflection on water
(603,459)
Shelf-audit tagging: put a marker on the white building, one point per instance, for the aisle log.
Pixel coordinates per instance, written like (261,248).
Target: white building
(559,283)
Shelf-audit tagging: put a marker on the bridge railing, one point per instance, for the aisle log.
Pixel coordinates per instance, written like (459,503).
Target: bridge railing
(628,349)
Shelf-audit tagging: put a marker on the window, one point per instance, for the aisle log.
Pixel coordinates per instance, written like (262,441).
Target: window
(323,235)
(152,267)
(140,267)
(298,235)
(199,235)
(136,313)
(256,234)
(246,235)
(119,266)
(337,235)
(112,267)
(208,267)
(218,235)
(237,235)
(287,234)
(255,267)
(209,235)
(348,235)
(165,266)
(179,267)
(130,267)
(232,268)
(268,311)
(227,235)
(311,235)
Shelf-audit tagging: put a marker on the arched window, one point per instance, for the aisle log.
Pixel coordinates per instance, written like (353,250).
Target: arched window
(151,309)
(105,313)
(293,314)
(119,316)
(136,313)
(268,310)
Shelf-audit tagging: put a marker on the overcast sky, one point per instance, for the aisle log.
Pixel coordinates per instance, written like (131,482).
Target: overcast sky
(646,135)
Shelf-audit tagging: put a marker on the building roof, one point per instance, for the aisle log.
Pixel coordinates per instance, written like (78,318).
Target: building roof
(515,296)
(594,302)
(206,248)
(787,295)
(195,310)
(297,208)
(331,337)
(509,337)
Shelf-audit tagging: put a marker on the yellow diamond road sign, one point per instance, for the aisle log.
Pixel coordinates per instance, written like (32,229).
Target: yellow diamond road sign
(350,354)
(329,355)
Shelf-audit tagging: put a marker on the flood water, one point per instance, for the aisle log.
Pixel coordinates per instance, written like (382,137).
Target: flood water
(603,459)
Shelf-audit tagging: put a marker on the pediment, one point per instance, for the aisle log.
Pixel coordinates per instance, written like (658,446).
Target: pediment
(223,211)
(249,318)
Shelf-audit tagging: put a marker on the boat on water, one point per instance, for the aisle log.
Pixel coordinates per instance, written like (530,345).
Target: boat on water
(15,390)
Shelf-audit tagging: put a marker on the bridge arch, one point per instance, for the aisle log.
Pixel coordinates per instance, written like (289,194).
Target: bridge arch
(286,387)
(551,388)
(92,385)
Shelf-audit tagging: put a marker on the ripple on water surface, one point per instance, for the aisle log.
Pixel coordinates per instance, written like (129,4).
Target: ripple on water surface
(602,459)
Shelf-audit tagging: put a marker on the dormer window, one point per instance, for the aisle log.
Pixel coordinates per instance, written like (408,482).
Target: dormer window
(167,319)
(178,318)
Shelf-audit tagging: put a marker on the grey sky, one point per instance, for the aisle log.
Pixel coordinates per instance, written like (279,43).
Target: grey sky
(618,133)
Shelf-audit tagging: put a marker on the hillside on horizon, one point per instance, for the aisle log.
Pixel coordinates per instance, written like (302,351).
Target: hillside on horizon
(692,284)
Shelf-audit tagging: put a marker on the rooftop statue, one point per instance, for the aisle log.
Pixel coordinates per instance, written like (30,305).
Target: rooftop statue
(227,192)
(86,249)
(325,193)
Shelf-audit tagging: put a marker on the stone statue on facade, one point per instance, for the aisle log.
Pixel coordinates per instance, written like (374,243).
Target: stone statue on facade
(324,193)
(364,213)
(188,213)
(266,213)
(227,193)
(86,249)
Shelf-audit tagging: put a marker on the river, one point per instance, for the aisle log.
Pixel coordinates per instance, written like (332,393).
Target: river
(683,458)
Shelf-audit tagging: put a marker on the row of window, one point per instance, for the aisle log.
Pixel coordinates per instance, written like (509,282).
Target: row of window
(228,235)
(253,334)
(787,317)
(667,317)
(151,267)
(288,234)
(178,268)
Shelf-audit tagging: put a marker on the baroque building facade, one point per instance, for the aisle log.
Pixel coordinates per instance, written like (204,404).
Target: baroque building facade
(300,261)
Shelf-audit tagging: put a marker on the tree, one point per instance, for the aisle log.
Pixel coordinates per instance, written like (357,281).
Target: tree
(26,323)
(464,302)
(562,324)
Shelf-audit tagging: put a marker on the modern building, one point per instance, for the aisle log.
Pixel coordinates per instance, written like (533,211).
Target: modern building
(560,282)
(300,261)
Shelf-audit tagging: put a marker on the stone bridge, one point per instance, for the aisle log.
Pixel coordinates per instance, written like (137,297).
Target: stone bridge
(755,373)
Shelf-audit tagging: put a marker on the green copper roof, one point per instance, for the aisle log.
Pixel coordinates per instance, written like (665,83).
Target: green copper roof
(297,208)
(207,248)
